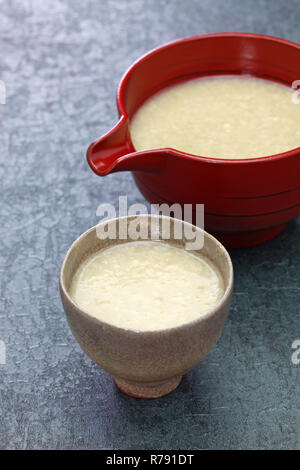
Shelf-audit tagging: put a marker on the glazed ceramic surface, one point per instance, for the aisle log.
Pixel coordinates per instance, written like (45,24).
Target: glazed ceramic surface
(145,363)
(246,201)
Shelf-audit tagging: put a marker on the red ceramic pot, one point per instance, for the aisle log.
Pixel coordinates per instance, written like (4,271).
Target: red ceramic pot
(246,201)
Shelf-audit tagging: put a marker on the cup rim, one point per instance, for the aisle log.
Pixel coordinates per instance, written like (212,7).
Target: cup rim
(188,156)
(210,313)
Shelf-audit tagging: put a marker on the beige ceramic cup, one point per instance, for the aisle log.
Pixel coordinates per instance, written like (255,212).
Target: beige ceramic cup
(145,364)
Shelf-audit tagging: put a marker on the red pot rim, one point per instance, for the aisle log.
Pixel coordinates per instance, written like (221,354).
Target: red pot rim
(177,153)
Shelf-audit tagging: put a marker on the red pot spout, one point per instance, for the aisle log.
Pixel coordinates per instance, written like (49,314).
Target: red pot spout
(114,152)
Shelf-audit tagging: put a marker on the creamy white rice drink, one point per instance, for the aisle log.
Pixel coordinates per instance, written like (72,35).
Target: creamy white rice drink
(228,116)
(146,286)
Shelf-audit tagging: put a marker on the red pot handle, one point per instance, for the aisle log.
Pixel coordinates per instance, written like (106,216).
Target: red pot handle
(114,152)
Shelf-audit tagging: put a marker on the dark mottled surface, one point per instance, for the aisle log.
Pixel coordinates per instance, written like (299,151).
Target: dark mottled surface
(61,62)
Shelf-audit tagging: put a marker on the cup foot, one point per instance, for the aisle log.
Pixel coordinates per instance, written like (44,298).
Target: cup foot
(147,390)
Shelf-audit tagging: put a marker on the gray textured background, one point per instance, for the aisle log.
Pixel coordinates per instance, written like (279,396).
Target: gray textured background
(61,62)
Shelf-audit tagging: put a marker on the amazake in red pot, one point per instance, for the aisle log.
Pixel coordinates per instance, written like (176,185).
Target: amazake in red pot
(246,201)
